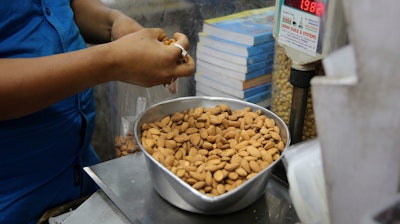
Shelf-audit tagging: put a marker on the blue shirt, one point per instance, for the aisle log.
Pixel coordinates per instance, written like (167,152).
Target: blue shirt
(41,153)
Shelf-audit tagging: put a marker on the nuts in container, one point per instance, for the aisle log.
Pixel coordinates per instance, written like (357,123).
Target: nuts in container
(125,145)
(214,149)
(282,90)
(124,140)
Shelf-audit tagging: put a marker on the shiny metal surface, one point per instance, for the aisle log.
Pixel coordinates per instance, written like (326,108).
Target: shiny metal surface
(127,183)
(181,194)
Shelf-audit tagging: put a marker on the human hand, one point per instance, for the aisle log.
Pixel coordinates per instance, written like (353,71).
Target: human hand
(123,25)
(141,58)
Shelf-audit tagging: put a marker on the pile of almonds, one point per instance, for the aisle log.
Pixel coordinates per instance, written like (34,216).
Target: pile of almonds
(125,145)
(214,149)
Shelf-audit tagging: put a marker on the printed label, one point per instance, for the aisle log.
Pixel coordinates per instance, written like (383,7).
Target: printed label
(299,30)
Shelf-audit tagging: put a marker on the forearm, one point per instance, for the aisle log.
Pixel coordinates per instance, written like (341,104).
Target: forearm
(96,21)
(31,84)
(28,85)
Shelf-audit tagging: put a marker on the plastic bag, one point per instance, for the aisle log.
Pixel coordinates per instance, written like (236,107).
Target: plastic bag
(305,175)
(127,102)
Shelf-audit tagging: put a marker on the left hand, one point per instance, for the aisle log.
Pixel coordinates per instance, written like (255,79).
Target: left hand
(124,25)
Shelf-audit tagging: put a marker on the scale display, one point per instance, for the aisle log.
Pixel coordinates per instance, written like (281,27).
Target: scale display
(316,7)
(301,25)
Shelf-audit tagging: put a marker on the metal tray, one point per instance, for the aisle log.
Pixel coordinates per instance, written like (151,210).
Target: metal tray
(127,183)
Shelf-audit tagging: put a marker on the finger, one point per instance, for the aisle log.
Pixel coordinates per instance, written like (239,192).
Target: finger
(183,50)
(179,52)
(184,69)
(182,40)
(161,34)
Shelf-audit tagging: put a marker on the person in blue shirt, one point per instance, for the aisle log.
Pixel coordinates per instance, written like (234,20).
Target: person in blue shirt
(46,100)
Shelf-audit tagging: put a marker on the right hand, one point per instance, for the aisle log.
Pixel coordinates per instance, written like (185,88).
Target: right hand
(141,58)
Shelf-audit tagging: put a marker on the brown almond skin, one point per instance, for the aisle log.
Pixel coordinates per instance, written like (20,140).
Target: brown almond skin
(218,175)
(214,149)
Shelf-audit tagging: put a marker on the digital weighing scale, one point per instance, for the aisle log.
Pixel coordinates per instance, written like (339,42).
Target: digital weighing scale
(307,30)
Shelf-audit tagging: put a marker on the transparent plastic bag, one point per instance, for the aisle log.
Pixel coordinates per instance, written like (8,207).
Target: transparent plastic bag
(127,102)
(303,163)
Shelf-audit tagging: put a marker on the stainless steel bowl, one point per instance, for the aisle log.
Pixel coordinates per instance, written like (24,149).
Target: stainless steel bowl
(181,194)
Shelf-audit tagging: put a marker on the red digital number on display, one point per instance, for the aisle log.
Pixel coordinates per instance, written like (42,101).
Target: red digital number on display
(316,7)
(313,7)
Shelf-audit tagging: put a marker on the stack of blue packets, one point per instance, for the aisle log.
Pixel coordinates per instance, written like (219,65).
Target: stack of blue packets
(234,56)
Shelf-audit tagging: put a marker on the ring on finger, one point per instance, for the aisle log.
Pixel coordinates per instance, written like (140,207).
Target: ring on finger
(184,52)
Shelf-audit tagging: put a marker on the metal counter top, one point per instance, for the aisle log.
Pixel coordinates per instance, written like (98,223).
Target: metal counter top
(127,184)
